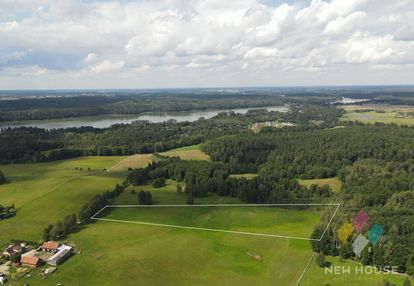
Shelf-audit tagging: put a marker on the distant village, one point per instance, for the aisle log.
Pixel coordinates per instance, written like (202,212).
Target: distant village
(23,256)
(260,125)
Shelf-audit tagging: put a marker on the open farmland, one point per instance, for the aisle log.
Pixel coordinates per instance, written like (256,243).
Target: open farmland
(141,160)
(187,153)
(372,113)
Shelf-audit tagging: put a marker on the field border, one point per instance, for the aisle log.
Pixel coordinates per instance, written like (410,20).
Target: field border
(218,230)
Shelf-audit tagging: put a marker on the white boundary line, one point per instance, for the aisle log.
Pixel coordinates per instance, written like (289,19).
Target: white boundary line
(217,230)
(306,268)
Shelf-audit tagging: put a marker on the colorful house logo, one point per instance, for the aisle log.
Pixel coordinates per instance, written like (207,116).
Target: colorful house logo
(359,224)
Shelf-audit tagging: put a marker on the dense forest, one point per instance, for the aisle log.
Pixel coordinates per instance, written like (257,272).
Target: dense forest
(37,105)
(35,145)
(75,105)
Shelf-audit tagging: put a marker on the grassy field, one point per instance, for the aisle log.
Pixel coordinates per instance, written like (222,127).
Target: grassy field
(267,220)
(141,160)
(334,183)
(379,113)
(45,192)
(134,161)
(187,153)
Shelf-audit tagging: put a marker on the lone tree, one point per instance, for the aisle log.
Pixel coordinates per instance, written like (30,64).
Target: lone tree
(144,198)
(2,178)
(158,183)
(47,232)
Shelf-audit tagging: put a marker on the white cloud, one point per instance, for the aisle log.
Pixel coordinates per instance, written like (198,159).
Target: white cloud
(90,58)
(225,42)
(107,66)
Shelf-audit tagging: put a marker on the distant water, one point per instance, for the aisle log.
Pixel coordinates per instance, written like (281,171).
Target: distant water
(346,100)
(108,120)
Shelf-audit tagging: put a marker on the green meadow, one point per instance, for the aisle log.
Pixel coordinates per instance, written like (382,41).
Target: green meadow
(266,220)
(45,192)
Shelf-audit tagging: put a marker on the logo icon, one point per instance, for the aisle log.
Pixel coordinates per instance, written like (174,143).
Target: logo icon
(359,224)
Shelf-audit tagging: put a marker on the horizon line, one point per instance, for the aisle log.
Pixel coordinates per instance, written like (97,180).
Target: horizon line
(207,88)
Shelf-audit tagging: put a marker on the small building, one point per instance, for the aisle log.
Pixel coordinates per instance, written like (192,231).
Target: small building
(50,246)
(30,261)
(64,251)
(13,249)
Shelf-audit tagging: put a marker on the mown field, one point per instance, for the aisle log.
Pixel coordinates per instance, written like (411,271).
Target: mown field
(333,183)
(141,160)
(187,153)
(113,253)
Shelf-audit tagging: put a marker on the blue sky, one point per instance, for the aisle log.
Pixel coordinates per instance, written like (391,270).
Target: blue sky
(197,43)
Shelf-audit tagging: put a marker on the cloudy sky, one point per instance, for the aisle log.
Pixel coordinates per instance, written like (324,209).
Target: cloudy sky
(202,43)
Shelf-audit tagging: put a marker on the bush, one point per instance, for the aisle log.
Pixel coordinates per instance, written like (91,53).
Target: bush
(158,183)
(144,198)
(320,260)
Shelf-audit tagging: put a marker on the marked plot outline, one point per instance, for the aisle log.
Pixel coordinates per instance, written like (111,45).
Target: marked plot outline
(336,205)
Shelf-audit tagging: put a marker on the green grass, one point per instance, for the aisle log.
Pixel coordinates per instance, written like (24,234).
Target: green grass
(121,254)
(187,153)
(269,220)
(45,192)
(315,275)
(333,183)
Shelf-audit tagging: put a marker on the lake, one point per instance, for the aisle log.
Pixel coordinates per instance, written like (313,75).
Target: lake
(105,121)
